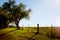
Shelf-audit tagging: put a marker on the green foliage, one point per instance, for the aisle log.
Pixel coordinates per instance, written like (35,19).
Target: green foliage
(15,13)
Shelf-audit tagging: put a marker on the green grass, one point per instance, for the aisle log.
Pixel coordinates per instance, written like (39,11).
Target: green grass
(8,34)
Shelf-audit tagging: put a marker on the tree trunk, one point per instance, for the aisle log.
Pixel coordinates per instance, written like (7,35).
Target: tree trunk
(17,24)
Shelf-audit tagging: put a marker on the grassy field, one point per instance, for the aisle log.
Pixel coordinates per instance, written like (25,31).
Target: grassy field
(26,33)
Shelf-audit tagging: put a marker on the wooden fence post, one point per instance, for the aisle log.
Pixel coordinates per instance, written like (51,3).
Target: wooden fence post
(37,28)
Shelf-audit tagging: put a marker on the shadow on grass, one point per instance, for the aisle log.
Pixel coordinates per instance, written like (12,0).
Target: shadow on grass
(6,36)
(6,33)
(29,38)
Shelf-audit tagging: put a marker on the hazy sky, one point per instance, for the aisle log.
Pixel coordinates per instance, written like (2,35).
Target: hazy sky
(44,12)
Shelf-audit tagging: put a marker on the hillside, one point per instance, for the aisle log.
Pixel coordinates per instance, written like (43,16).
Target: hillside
(26,33)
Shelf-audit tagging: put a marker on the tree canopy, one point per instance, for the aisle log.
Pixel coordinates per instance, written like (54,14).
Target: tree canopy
(13,12)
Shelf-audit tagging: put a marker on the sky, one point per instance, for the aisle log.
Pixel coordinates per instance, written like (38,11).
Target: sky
(44,12)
